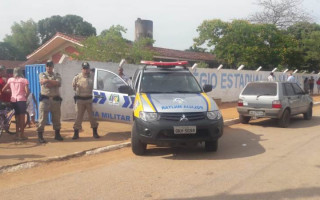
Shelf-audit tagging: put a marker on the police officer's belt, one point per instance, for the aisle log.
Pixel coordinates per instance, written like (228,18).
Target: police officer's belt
(55,98)
(83,98)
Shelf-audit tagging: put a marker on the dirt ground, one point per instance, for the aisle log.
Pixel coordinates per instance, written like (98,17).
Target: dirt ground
(13,152)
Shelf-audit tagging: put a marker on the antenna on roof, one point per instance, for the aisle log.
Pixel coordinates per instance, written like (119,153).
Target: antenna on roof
(285,71)
(275,69)
(295,71)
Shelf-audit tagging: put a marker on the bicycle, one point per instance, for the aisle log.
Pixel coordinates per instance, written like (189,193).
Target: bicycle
(6,114)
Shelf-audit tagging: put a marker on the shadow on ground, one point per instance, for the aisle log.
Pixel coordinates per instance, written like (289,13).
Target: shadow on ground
(235,143)
(297,193)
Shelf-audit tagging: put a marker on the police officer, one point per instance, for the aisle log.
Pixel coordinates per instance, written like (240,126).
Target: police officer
(50,101)
(83,85)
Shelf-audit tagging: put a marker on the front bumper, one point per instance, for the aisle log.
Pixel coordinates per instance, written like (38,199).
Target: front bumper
(162,131)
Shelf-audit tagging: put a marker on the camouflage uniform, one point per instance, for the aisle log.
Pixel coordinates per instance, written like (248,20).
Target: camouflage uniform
(50,101)
(83,86)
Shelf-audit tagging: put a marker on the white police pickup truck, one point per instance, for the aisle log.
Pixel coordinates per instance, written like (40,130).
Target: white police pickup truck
(165,104)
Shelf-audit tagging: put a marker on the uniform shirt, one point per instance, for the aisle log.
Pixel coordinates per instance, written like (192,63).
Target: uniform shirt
(52,91)
(18,91)
(83,85)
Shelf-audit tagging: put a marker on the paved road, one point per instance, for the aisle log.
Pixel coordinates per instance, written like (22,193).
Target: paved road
(256,161)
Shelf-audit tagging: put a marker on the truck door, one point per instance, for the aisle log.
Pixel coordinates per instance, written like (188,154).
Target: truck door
(109,102)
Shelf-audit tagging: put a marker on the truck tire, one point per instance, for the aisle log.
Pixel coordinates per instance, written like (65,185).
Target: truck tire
(137,146)
(284,121)
(308,114)
(244,119)
(211,146)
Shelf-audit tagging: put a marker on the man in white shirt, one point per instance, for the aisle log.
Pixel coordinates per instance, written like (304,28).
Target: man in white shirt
(291,78)
(121,74)
(271,77)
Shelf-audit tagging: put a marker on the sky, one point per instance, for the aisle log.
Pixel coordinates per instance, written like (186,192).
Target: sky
(174,21)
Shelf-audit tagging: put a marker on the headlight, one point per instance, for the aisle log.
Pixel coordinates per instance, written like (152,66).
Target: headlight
(214,114)
(148,116)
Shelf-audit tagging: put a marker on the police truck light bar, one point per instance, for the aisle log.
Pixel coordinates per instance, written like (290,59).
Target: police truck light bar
(164,63)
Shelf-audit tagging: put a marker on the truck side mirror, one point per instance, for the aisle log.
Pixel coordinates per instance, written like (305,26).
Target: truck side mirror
(207,88)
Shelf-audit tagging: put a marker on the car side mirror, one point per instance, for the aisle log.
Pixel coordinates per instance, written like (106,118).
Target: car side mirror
(125,89)
(207,88)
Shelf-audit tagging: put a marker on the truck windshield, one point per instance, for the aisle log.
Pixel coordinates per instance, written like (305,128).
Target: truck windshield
(169,82)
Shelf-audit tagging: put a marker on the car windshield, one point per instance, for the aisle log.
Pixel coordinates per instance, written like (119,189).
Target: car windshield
(261,89)
(169,82)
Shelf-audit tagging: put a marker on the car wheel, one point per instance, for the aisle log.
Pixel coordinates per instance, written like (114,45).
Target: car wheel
(137,146)
(211,146)
(284,121)
(308,114)
(244,119)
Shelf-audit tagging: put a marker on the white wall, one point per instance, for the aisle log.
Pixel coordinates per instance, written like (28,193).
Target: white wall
(227,84)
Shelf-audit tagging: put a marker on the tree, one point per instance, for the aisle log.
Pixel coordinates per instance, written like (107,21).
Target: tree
(8,52)
(23,39)
(300,29)
(240,42)
(69,24)
(140,51)
(196,49)
(282,13)
(110,46)
(311,46)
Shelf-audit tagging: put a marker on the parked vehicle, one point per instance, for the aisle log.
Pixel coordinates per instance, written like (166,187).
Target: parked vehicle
(166,105)
(279,100)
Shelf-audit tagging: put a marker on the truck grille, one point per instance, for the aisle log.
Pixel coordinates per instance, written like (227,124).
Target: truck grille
(177,116)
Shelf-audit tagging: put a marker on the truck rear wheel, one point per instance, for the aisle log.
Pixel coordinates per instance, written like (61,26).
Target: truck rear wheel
(244,119)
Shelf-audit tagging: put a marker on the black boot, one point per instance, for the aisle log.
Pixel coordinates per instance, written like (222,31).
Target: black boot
(76,134)
(95,133)
(40,137)
(57,135)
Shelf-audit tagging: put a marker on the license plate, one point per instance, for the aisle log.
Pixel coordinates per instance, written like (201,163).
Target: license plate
(185,129)
(256,113)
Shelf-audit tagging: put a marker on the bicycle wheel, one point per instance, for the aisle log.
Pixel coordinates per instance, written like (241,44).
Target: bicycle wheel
(27,120)
(2,128)
(8,127)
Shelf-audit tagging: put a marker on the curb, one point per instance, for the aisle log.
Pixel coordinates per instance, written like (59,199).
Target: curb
(31,164)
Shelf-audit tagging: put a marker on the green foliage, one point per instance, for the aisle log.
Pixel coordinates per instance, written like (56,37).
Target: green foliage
(22,41)
(196,49)
(8,52)
(240,42)
(140,51)
(69,24)
(202,65)
(311,48)
(110,46)
(117,30)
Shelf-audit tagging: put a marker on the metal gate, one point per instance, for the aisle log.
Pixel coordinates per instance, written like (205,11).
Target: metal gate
(32,74)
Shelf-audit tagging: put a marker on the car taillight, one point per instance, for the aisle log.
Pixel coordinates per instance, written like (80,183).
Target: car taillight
(276,104)
(240,102)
